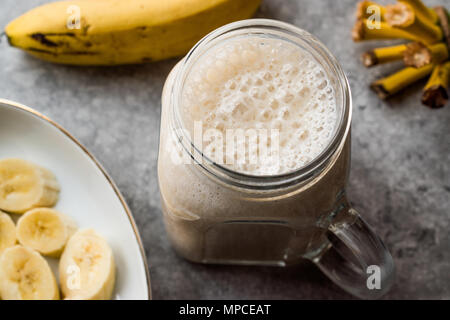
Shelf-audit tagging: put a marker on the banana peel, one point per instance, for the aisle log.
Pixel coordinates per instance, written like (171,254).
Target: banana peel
(114,32)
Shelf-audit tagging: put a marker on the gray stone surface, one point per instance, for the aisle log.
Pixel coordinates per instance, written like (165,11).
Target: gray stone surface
(400,177)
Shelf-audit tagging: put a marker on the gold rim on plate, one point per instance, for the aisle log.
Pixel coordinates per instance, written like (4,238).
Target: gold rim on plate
(105,174)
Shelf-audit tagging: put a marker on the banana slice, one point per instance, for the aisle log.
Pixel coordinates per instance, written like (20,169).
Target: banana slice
(45,230)
(7,232)
(87,268)
(24,186)
(26,275)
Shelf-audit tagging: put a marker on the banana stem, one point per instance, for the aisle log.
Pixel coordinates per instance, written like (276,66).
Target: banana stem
(444,22)
(361,32)
(418,55)
(435,92)
(388,86)
(383,55)
(363,10)
(402,16)
(422,10)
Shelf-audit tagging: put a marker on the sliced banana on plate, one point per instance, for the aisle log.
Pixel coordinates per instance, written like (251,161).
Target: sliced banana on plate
(24,185)
(26,275)
(87,268)
(7,232)
(45,230)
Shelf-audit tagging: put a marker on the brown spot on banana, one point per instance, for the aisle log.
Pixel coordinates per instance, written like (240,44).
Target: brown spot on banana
(59,41)
(79,53)
(42,39)
(85,28)
(69,34)
(74,53)
(40,51)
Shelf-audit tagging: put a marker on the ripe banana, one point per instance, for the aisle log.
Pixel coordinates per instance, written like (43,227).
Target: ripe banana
(45,230)
(7,232)
(24,186)
(25,275)
(111,32)
(87,268)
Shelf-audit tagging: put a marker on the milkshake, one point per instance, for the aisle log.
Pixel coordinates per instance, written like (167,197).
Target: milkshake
(255,151)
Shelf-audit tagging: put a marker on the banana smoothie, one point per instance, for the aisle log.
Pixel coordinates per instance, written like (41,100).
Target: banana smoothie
(242,205)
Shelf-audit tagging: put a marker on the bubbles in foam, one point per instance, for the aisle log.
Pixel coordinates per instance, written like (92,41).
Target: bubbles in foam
(260,83)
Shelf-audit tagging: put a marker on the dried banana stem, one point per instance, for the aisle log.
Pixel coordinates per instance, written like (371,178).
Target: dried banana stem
(444,22)
(435,92)
(383,55)
(402,16)
(365,9)
(422,10)
(399,80)
(418,55)
(362,32)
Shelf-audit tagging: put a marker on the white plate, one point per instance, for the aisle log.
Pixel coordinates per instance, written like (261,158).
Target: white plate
(88,194)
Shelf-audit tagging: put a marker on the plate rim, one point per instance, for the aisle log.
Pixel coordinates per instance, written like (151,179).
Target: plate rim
(22,107)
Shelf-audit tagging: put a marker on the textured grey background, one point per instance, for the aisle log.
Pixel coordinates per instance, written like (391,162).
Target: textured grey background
(400,176)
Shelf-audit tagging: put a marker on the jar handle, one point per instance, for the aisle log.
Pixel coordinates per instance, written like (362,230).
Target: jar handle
(356,258)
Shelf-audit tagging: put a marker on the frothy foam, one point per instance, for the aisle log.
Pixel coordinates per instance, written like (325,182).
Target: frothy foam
(261,83)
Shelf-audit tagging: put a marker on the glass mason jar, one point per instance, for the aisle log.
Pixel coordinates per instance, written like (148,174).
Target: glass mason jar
(216,215)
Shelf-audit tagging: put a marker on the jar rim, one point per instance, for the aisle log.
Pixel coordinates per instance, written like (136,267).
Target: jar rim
(265,182)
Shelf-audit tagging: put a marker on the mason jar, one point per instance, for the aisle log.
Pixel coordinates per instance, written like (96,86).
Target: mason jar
(213,214)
